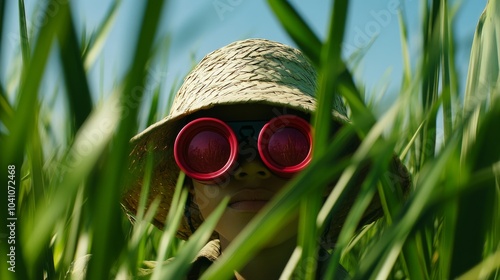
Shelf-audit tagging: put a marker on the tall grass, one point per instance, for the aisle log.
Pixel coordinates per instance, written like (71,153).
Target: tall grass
(67,194)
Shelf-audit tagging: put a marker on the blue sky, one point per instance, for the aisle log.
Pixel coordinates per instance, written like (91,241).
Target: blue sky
(197,27)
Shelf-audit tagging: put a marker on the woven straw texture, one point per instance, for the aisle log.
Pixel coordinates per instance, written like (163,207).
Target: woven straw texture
(253,71)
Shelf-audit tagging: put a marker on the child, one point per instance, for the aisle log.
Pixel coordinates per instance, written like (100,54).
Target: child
(239,127)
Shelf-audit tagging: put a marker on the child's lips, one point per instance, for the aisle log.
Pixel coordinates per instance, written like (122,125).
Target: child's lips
(250,200)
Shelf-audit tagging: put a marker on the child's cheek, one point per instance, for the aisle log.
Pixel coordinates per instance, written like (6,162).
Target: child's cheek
(207,198)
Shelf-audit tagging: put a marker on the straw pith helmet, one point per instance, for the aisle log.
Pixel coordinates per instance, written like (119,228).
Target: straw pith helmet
(253,71)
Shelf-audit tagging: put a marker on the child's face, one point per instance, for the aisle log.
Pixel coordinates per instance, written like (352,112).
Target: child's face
(249,187)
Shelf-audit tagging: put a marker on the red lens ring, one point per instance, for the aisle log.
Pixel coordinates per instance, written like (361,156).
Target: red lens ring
(267,131)
(188,132)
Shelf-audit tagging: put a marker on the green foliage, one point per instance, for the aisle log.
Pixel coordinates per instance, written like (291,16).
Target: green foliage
(68,193)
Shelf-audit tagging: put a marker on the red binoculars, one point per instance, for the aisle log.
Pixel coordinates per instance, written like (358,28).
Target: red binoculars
(206,149)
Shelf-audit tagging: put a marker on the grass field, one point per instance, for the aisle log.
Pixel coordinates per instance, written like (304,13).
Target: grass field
(65,181)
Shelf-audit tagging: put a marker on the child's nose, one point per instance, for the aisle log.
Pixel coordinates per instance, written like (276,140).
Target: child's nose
(252,169)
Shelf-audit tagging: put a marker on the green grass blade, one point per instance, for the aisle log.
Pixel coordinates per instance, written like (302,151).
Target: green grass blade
(71,233)
(72,175)
(384,254)
(351,225)
(475,219)
(145,190)
(28,91)
(103,30)
(20,135)
(175,214)
(36,186)
(25,45)
(141,220)
(449,89)
(331,68)
(431,76)
(298,29)
(77,88)
(179,267)
(379,151)
(362,117)
(446,57)
(482,76)
(6,111)
(272,218)
(109,188)
(308,235)
(484,270)
(2,16)
(73,171)
(481,100)
(405,50)
(153,109)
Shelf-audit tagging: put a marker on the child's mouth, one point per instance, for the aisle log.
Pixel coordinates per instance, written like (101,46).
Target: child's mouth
(250,200)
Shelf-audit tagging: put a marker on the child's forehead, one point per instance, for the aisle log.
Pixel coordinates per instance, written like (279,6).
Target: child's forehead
(247,112)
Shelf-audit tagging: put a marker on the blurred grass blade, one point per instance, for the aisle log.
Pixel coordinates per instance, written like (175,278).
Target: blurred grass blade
(70,246)
(109,188)
(482,93)
(354,217)
(77,164)
(37,180)
(264,226)
(447,54)
(28,90)
(476,219)
(153,109)
(22,130)
(77,88)
(362,117)
(291,265)
(145,190)
(483,75)
(331,68)
(405,50)
(2,17)
(430,76)
(103,30)
(25,45)
(298,29)
(179,267)
(483,270)
(450,97)
(71,172)
(175,214)
(380,152)
(386,251)
(328,60)
(6,111)
(141,219)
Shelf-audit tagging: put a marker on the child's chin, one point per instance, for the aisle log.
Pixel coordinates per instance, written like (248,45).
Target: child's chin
(252,206)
